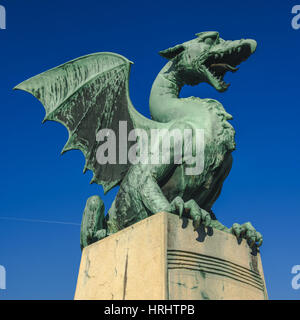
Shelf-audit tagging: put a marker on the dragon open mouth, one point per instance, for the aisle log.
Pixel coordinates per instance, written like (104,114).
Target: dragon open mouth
(217,64)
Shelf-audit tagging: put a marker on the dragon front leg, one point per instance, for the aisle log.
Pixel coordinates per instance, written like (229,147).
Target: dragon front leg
(197,214)
(155,201)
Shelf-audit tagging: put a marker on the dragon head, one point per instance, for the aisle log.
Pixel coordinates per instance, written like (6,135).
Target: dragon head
(208,57)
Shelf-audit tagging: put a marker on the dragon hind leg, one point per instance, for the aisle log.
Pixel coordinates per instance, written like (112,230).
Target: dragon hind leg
(93,225)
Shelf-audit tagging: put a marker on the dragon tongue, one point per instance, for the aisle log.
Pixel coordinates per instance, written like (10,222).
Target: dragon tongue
(224,66)
(230,68)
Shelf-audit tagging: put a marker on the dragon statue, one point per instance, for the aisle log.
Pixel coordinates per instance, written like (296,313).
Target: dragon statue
(91,93)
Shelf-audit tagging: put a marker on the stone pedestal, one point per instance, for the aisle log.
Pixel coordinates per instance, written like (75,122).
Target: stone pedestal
(163,258)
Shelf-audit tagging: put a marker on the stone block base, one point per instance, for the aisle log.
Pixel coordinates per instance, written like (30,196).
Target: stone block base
(163,258)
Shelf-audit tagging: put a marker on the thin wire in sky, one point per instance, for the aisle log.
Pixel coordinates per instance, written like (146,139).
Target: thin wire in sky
(40,221)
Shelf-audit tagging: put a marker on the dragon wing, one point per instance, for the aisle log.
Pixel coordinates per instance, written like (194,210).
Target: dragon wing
(86,95)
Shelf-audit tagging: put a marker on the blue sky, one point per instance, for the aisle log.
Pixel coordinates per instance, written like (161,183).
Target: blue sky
(42,259)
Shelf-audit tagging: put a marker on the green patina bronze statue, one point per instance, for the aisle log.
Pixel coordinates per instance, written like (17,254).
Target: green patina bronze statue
(90,96)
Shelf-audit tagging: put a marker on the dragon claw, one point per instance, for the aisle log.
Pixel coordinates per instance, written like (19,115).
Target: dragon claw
(196,223)
(198,215)
(177,206)
(248,232)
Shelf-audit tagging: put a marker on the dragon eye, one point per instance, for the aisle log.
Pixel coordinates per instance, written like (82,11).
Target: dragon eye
(209,41)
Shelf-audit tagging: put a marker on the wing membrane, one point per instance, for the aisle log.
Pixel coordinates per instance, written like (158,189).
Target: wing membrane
(85,95)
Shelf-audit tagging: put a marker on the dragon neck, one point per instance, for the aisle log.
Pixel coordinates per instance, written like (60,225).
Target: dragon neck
(165,104)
